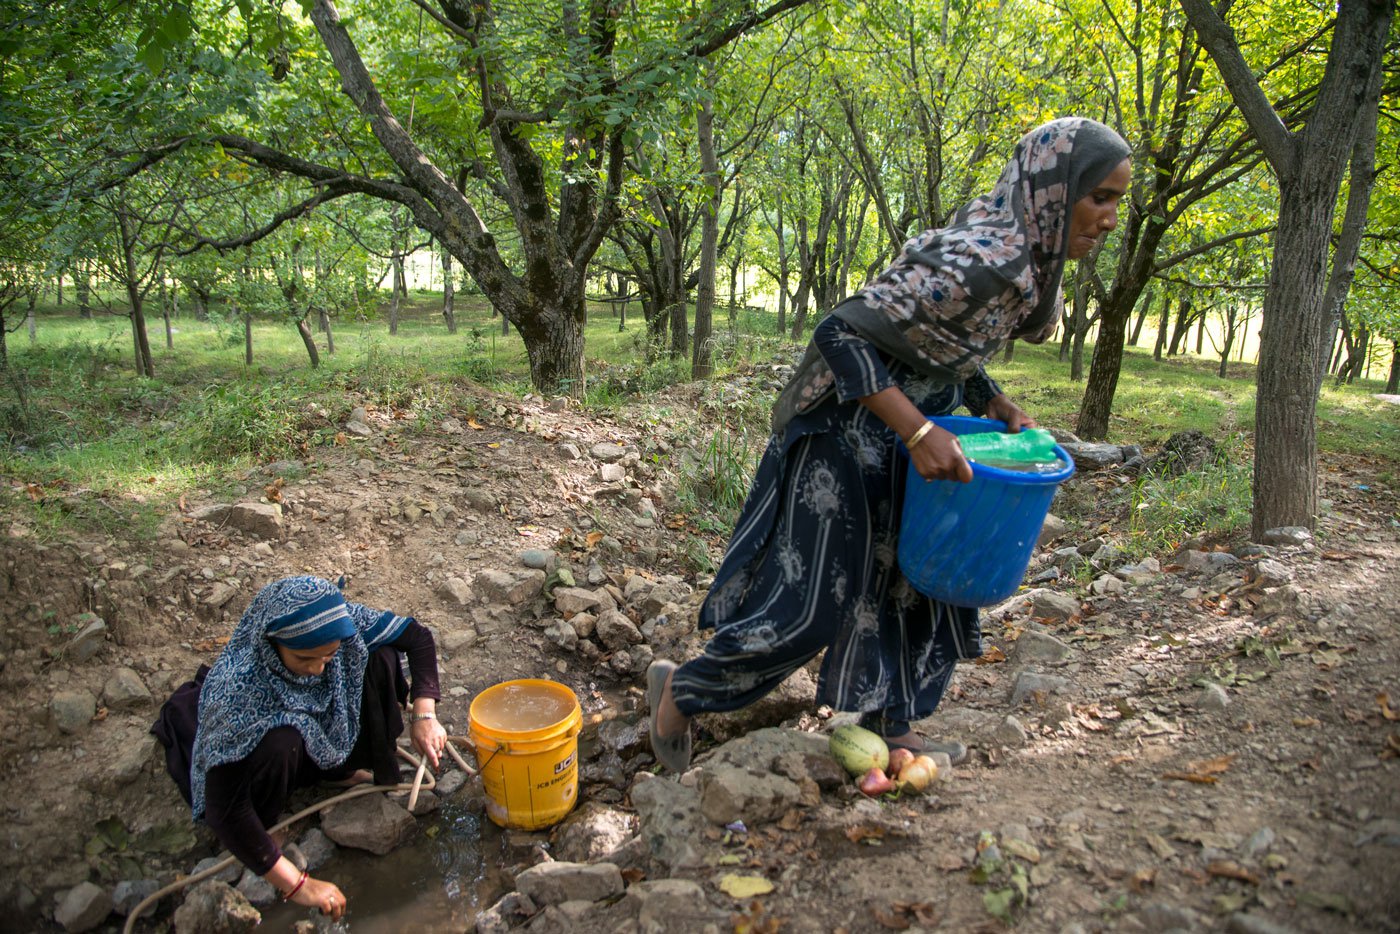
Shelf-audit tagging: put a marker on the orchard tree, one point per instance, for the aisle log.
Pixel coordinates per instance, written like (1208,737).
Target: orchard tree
(1310,163)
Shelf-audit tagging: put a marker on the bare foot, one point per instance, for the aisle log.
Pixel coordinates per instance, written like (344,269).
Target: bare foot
(357,777)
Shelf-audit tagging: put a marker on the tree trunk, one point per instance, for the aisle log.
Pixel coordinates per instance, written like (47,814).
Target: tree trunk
(1392,385)
(30,317)
(1201,335)
(326,327)
(701,361)
(165,313)
(395,291)
(309,342)
(1142,316)
(1185,314)
(1104,369)
(82,288)
(448,293)
(248,338)
(1162,320)
(1230,318)
(58,291)
(782,270)
(1010,351)
(554,344)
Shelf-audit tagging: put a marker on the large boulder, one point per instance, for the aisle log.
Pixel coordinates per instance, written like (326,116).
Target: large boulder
(215,908)
(371,822)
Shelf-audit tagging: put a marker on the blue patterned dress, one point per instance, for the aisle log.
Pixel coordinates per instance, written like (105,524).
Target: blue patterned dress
(812,563)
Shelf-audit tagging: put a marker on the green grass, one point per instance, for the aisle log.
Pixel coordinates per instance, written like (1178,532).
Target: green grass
(85,443)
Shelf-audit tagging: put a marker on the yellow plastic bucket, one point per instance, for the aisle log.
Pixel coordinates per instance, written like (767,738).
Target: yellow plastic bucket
(526,737)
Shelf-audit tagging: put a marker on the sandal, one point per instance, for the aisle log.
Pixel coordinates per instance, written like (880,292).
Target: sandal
(673,752)
(908,739)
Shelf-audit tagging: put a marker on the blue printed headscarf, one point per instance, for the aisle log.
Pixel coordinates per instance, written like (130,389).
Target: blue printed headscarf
(249,692)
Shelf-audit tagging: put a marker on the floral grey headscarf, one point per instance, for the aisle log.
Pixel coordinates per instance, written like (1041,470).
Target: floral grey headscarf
(956,293)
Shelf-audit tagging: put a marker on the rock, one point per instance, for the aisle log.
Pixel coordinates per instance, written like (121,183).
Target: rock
(359,429)
(129,762)
(625,735)
(215,908)
(83,907)
(663,905)
(510,587)
(256,889)
(562,634)
(553,883)
(1089,455)
(571,600)
(1105,585)
(89,640)
(792,698)
(220,594)
(370,823)
(584,624)
(1385,831)
(452,641)
(481,500)
(1213,698)
(261,519)
(214,514)
(570,451)
(125,690)
(1010,733)
(1259,843)
(607,452)
(754,795)
(593,832)
(455,590)
(72,711)
(665,592)
(230,873)
(449,783)
(129,893)
(1244,923)
(615,631)
(317,849)
(1287,535)
(536,558)
(1139,573)
(1033,685)
(1039,647)
(1054,606)
(1052,529)
(669,821)
(1271,573)
(512,909)
(1161,916)
(1184,452)
(612,473)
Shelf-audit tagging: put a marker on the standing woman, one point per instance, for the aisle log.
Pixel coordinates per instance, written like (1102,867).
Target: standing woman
(812,563)
(308,689)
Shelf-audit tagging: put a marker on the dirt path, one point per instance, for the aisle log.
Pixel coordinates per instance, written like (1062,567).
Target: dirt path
(1134,799)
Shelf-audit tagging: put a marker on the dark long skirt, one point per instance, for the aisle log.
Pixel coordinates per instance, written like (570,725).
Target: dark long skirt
(811,567)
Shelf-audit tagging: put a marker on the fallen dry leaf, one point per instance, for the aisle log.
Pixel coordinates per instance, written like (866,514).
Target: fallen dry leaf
(860,833)
(475,425)
(1392,746)
(993,656)
(1306,722)
(1336,556)
(1143,879)
(1229,869)
(1204,771)
(1383,699)
(893,920)
(739,886)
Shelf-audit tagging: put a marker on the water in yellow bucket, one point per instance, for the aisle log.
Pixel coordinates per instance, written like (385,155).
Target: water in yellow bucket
(526,738)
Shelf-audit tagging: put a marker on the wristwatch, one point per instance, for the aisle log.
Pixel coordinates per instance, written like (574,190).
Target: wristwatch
(415,717)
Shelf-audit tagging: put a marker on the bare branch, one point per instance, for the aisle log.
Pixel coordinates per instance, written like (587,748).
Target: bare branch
(1181,257)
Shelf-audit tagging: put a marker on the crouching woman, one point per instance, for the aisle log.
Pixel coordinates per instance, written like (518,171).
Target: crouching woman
(309,689)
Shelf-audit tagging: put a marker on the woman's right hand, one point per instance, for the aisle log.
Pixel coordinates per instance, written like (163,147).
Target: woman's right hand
(938,456)
(325,897)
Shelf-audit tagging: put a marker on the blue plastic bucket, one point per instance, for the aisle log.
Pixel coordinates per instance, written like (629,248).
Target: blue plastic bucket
(968,544)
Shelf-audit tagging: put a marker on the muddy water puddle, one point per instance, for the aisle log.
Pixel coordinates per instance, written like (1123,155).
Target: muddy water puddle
(436,883)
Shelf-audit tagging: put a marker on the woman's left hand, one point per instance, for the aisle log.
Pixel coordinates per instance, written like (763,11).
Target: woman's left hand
(1002,408)
(430,739)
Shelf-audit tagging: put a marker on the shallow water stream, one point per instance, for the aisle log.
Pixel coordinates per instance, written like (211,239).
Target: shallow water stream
(436,883)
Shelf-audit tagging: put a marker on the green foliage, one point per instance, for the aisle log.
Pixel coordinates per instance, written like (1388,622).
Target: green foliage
(714,484)
(1167,510)
(243,420)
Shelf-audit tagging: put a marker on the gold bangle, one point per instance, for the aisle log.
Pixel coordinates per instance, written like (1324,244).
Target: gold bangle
(918,436)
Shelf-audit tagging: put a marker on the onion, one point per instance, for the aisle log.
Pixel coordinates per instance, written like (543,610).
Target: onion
(918,775)
(875,783)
